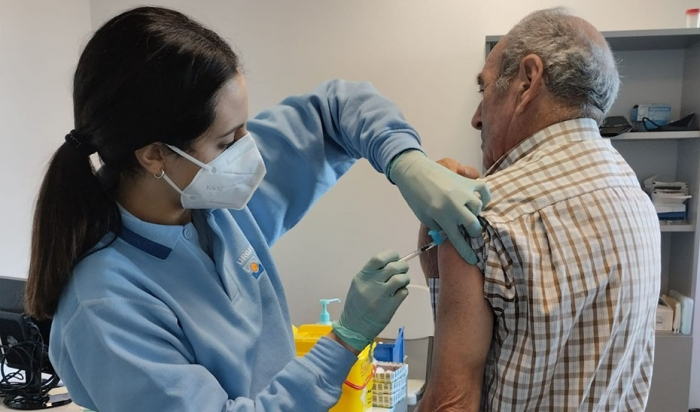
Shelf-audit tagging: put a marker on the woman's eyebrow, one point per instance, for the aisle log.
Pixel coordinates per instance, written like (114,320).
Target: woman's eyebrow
(231,131)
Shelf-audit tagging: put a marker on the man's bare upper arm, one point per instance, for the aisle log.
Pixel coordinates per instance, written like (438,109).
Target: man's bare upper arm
(462,336)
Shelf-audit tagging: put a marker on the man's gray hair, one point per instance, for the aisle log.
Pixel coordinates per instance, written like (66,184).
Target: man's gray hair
(578,69)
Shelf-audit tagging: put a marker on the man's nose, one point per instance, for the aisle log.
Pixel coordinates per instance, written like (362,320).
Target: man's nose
(476,119)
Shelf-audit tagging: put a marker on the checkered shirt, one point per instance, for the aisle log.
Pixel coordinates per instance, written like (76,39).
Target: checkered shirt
(571,261)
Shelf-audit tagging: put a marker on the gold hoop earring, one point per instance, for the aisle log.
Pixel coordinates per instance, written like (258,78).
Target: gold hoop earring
(160,176)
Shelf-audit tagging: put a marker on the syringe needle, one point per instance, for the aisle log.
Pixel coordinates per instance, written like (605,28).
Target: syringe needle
(418,252)
(438,238)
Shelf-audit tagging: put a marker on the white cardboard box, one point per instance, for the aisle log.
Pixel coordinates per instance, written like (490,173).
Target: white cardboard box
(686,317)
(664,318)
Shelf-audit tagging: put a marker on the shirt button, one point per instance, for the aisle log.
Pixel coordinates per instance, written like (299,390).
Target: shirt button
(187,233)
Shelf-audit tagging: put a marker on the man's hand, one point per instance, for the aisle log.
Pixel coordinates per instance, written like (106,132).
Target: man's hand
(462,170)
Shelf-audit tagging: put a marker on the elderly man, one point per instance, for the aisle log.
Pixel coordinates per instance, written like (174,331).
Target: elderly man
(559,313)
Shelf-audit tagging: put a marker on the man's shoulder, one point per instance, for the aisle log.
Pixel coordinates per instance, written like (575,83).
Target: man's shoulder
(554,173)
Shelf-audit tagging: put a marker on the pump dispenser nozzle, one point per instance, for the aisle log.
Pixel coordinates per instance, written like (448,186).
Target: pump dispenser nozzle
(325,317)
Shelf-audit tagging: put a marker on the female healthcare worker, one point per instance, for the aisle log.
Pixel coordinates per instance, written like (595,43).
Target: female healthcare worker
(157,270)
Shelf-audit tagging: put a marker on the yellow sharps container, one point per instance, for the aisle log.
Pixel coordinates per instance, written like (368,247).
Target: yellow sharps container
(357,389)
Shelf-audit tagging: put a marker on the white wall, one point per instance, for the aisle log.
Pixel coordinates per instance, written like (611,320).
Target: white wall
(40,42)
(423,55)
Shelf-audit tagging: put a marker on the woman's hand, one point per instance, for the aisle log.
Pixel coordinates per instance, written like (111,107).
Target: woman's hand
(428,260)
(440,198)
(374,296)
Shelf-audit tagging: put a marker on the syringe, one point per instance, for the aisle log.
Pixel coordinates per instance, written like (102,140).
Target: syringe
(438,238)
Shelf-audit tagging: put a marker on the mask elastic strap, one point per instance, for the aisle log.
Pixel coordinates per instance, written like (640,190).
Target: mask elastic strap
(188,157)
(165,177)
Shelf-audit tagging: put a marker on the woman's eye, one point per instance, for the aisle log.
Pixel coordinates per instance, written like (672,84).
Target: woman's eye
(226,146)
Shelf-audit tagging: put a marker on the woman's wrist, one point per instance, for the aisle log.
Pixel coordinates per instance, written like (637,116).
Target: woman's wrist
(392,163)
(336,338)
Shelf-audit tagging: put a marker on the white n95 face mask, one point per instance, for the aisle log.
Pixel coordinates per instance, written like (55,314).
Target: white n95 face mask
(227,182)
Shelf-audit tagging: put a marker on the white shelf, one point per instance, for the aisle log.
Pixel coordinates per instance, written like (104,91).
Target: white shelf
(663,334)
(688,227)
(667,39)
(658,135)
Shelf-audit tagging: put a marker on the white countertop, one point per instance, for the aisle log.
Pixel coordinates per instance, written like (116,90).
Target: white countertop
(72,407)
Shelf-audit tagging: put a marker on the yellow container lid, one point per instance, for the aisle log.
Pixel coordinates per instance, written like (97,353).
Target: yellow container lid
(306,336)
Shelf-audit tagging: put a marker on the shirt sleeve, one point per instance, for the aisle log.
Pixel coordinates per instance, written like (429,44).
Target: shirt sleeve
(308,142)
(493,250)
(122,355)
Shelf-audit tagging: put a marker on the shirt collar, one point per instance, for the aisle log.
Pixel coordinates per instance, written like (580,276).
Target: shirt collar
(156,240)
(567,131)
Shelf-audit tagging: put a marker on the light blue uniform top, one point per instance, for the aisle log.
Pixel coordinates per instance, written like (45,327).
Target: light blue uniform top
(194,317)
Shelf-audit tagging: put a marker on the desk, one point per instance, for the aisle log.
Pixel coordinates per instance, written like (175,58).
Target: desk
(400,407)
(72,407)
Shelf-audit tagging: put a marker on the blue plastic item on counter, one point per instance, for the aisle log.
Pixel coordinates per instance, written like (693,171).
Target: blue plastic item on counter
(391,352)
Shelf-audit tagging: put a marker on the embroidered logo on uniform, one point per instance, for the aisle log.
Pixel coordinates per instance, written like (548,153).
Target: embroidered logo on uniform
(255,268)
(250,263)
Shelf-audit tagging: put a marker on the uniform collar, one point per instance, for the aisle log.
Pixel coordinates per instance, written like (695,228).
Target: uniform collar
(567,131)
(156,240)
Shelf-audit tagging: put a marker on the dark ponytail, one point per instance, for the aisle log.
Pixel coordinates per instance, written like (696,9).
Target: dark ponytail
(73,212)
(148,75)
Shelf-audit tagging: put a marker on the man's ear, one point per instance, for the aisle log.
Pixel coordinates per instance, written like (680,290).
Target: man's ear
(530,80)
(152,157)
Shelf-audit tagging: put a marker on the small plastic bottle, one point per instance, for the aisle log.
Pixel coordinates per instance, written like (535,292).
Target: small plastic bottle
(692,18)
(325,318)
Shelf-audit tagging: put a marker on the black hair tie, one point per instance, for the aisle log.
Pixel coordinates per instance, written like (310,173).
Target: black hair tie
(80,143)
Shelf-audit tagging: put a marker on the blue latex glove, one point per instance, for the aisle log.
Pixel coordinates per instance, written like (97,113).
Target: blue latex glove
(440,198)
(375,294)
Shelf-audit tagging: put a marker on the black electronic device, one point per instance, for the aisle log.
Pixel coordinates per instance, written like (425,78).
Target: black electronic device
(24,348)
(614,126)
(683,124)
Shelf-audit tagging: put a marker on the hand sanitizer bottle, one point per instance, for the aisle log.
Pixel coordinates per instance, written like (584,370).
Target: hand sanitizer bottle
(325,317)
